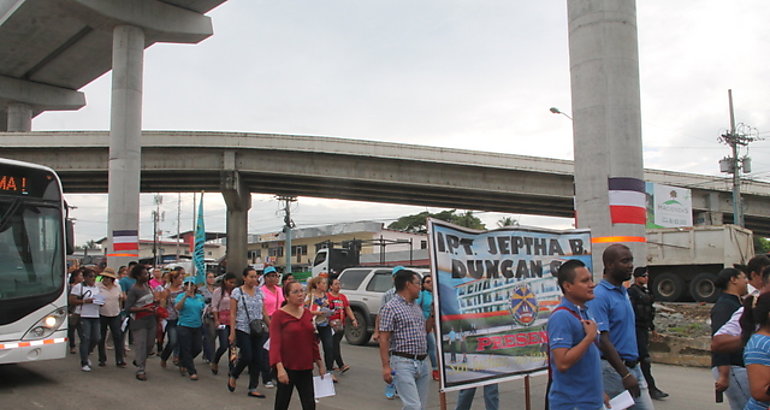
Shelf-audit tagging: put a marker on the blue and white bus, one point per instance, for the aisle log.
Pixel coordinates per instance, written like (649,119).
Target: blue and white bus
(35,236)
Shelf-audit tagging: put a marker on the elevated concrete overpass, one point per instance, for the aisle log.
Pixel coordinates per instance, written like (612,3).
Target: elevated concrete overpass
(49,49)
(184,161)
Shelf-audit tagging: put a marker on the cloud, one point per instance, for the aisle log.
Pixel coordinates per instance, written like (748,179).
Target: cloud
(472,75)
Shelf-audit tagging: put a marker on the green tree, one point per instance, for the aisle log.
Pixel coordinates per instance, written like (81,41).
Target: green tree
(418,223)
(761,245)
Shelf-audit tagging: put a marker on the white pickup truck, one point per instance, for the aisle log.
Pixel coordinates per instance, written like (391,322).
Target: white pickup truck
(364,287)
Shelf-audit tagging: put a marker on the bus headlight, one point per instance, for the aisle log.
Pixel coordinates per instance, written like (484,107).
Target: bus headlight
(47,325)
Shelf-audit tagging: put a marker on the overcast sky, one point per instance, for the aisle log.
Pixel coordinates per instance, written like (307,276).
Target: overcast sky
(464,74)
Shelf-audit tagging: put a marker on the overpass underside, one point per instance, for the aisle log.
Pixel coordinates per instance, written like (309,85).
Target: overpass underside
(328,176)
(181,161)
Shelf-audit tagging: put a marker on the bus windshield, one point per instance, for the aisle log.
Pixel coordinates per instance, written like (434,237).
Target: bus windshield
(31,262)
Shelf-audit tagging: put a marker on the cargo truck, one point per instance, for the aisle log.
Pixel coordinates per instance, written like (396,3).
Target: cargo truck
(683,262)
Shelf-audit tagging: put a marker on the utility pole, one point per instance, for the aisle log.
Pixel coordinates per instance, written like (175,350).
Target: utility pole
(178,219)
(735,137)
(288,224)
(156,218)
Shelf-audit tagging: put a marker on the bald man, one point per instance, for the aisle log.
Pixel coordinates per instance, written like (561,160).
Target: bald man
(615,319)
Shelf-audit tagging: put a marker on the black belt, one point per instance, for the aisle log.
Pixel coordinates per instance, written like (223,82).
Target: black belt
(410,356)
(629,363)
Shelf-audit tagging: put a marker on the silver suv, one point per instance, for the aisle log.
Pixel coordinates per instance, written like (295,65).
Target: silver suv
(364,287)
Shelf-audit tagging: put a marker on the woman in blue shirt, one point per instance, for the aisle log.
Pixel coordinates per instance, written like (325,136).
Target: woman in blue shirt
(425,301)
(756,354)
(189,306)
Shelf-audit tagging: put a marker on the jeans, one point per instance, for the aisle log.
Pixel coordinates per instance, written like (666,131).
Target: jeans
(336,339)
(173,341)
(189,347)
(209,337)
(303,381)
(738,392)
(144,335)
(113,323)
(491,398)
(264,359)
(89,337)
(72,329)
(250,353)
(325,334)
(613,385)
(412,380)
(431,339)
(224,344)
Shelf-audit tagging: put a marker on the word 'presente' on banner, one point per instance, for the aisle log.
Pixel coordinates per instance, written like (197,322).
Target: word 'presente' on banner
(494,291)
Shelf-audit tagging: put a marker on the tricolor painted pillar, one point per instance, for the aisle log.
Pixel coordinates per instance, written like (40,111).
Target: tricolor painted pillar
(604,73)
(125,147)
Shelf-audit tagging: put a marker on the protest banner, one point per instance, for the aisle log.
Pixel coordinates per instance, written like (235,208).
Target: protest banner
(493,293)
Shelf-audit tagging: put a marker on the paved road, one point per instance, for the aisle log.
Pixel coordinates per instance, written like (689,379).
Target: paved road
(61,385)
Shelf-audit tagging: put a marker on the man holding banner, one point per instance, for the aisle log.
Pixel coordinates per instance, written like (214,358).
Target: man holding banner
(572,335)
(403,348)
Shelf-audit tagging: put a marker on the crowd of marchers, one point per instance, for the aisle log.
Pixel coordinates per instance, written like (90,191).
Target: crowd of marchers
(598,336)
(262,321)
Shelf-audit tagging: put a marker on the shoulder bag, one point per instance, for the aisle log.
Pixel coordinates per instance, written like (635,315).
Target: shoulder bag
(256,326)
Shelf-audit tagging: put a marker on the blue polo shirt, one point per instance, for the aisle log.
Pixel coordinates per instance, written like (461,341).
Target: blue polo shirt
(580,386)
(126,283)
(192,310)
(611,308)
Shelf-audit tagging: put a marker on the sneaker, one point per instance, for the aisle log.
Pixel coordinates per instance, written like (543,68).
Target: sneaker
(102,364)
(86,368)
(269,385)
(658,394)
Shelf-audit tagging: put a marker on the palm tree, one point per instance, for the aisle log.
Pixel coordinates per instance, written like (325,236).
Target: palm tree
(507,221)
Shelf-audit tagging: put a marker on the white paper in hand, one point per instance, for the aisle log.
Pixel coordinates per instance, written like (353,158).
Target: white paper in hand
(622,401)
(323,387)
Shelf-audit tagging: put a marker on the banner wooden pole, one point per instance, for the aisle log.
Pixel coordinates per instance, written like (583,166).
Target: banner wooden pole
(527,398)
(442,400)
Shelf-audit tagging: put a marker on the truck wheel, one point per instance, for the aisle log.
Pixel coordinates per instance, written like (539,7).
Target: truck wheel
(668,287)
(357,335)
(702,288)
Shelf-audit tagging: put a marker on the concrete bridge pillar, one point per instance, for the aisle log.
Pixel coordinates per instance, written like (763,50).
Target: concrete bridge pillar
(125,146)
(713,215)
(604,74)
(19,117)
(238,201)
